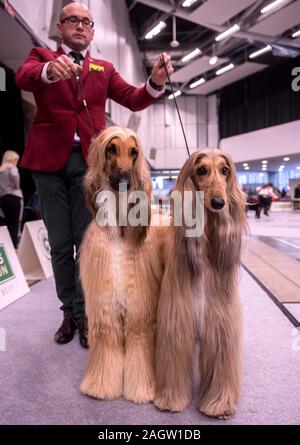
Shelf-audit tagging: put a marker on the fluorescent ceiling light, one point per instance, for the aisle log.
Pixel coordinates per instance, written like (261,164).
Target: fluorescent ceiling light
(156,30)
(260,51)
(245,164)
(188,3)
(197,83)
(247,168)
(286,159)
(227,33)
(296,34)
(298,168)
(176,94)
(191,55)
(224,69)
(271,6)
(264,162)
(213,60)
(281,166)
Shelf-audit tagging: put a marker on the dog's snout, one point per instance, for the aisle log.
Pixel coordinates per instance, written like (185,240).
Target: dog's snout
(121,177)
(217,203)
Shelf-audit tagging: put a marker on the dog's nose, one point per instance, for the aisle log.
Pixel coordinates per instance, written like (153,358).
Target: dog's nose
(124,178)
(217,203)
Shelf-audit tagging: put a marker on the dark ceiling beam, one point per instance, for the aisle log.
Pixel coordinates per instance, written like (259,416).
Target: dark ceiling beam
(247,35)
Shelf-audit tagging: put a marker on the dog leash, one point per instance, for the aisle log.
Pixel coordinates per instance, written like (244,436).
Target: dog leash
(80,86)
(176,105)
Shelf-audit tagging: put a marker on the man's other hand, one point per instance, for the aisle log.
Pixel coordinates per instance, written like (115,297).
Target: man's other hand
(159,75)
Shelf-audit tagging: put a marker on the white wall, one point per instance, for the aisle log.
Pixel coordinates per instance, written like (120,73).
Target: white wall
(273,141)
(167,134)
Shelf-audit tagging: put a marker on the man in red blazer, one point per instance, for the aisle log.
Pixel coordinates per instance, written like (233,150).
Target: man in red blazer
(59,140)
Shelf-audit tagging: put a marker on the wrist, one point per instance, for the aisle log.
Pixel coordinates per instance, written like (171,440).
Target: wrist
(155,86)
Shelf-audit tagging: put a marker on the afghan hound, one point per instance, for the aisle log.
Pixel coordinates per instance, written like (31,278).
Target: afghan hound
(120,269)
(199,295)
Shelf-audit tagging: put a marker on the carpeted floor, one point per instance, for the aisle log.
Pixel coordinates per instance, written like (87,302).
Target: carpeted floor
(40,379)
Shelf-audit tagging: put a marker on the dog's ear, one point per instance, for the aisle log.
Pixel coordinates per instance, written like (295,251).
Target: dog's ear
(224,231)
(187,248)
(236,198)
(95,176)
(141,182)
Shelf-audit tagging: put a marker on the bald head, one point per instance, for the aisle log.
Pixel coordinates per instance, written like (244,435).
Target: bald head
(75,8)
(76,36)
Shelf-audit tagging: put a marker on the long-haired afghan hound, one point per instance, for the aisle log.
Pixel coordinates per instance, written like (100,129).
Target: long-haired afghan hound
(120,269)
(199,295)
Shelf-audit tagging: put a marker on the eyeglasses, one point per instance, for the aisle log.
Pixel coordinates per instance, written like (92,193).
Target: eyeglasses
(74,21)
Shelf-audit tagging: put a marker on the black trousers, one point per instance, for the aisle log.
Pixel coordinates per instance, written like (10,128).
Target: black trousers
(11,207)
(264,202)
(66,218)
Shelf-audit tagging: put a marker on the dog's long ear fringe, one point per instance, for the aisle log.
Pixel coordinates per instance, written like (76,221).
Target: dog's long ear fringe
(141,182)
(187,248)
(223,233)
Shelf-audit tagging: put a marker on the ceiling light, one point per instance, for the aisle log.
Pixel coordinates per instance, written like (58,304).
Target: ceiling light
(286,159)
(247,168)
(191,55)
(296,34)
(156,30)
(188,3)
(298,168)
(271,6)
(260,51)
(227,33)
(281,166)
(264,162)
(176,94)
(224,69)
(245,164)
(213,60)
(197,83)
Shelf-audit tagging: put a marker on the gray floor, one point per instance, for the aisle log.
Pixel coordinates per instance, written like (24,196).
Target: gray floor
(40,379)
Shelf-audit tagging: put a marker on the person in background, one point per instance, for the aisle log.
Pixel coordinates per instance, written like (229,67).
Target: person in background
(297,192)
(265,196)
(11,196)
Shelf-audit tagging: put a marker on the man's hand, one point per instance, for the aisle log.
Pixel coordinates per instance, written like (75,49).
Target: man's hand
(159,75)
(62,68)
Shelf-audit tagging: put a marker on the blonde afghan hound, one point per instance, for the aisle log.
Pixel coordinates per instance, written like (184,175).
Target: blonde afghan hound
(199,294)
(120,269)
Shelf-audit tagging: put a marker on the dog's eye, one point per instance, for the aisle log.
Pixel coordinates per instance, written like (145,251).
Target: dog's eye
(225,171)
(133,152)
(201,171)
(111,149)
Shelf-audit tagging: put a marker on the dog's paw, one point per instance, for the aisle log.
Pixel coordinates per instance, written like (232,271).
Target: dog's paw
(98,391)
(167,402)
(140,393)
(220,409)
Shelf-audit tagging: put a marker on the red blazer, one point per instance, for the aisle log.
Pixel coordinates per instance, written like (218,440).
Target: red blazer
(61,111)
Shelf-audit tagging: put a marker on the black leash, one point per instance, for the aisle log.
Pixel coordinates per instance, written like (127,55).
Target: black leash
(182,128)
(79,83)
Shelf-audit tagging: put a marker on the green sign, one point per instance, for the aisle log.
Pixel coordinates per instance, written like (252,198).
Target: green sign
(6,272)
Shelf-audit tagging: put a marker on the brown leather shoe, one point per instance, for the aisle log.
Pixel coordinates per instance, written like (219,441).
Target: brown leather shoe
(82,326)
(66,330)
